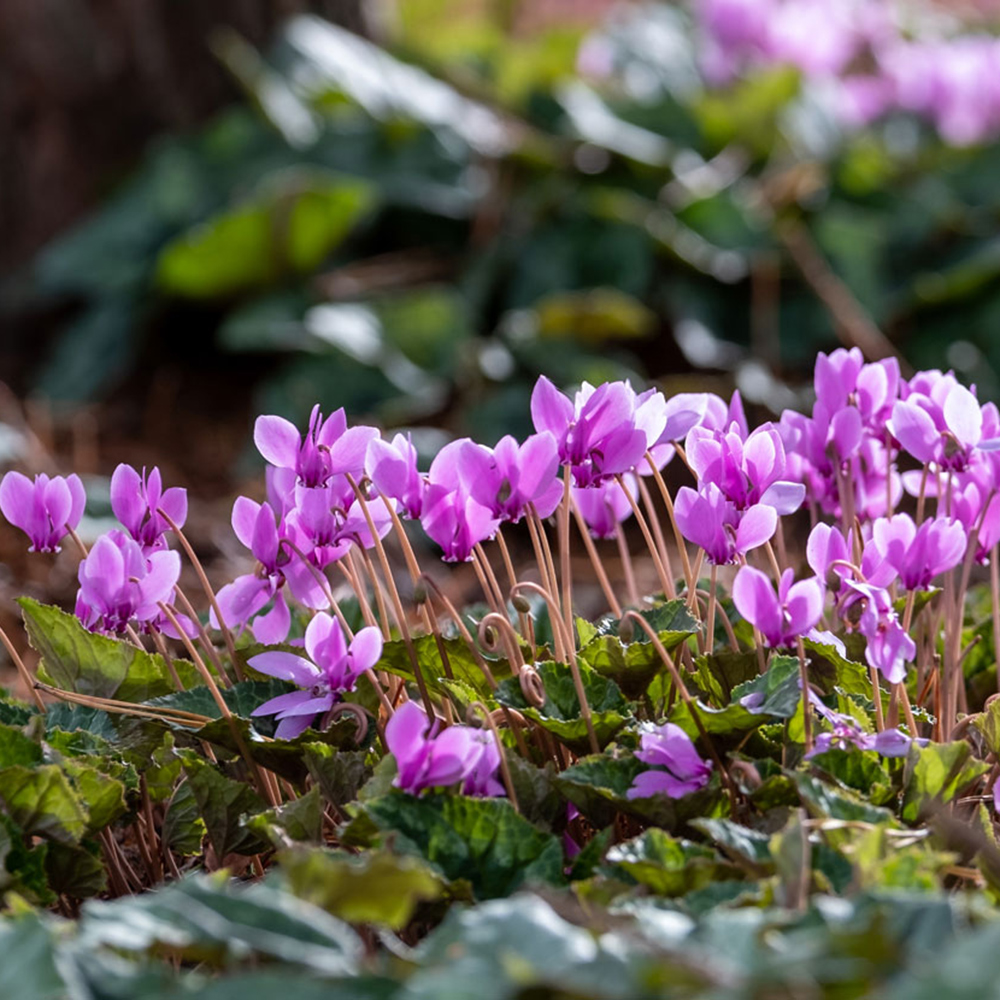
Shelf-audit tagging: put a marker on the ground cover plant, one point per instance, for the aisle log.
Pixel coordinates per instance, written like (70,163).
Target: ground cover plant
(772,776)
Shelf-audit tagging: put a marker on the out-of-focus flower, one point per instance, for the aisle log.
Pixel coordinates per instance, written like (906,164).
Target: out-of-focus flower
(333,667)
(46,510)
(678,770)
(783,616)
(870,609)
(605,507)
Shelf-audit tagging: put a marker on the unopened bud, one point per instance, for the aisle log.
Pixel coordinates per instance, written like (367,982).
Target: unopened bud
(626,630)
(521,604)
(419,593)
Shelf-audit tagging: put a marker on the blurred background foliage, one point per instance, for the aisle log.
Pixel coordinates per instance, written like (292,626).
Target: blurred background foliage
(416,223)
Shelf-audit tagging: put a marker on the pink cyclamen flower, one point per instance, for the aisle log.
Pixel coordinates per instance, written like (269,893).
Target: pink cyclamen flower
(46,510)
(456,522)
(392,468)
(243,599)
(332,668)
(918,555)
(749,471)
(510,476)
(708,519)
(328,448)
(606,506)
(120,583)
(782,617)
(678,769)
(136,501)
(889,646)
(427,757)
(597,433)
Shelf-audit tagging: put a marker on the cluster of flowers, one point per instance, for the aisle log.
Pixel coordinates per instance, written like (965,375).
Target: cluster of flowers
(872,56)
(336,488)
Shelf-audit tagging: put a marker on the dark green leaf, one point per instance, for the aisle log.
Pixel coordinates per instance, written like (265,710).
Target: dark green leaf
(483,841)
(936,774)
(222,804)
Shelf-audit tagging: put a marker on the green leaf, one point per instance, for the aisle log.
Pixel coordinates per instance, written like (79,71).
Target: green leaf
(28,970)
(461,662)
(75,871)
(632,667)
(738,841)
(16,748)
(183,828)
(288,229)
(42,802)
(538,798)
(300,820)
(372,888)
(103,797)
(598,786)
(935,775)
(560,714)
(669,866)
(672,622)
(824,801)
(830,670)
(222,804)
(859,770)
(22,867)
(720,673)
(80,661)
(483,841)
(338,773)
(219,919)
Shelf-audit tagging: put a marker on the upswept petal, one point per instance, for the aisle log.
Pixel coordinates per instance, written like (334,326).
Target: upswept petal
(278,440)
(755,599)
(365,650)
(286,666)
(963,416)
(757,526)
(550,410)
(272,628)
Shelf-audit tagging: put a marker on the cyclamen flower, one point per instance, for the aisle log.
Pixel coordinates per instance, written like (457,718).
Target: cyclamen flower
(846,734)
(46,510)
(505,479)
(600,433)
(333,667)
(606,506)
(782,617)
(392,468)
(747,471)
(119,583)
(943,425)
(918,555)
(679,770)
(329,447)
(889,646)
(243,599)
(427,757)
(456,522)
(710,520)
(136,500)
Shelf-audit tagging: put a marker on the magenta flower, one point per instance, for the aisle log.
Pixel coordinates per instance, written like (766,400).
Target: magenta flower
(606,506)
(747,472)
(597,433)
(392,468)
(325,521)
(243,599)
(328,448)
(711,521)
(332,668)
(678,770)
(889,646)
(120,583)
(46,510)
(136,501)
(505,479)
(782,617)
(918,555)
(456,522)
(426,757)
